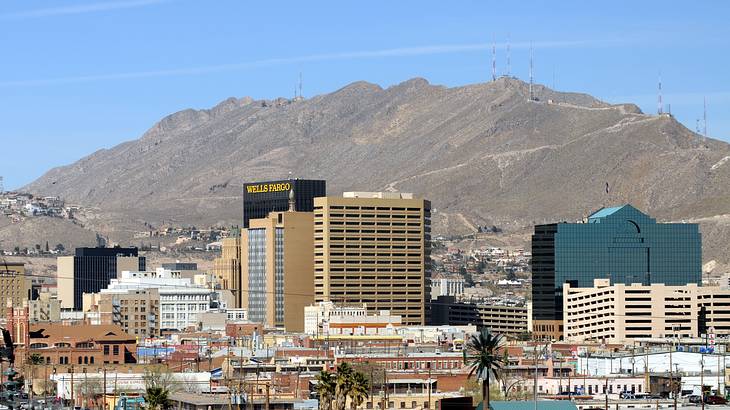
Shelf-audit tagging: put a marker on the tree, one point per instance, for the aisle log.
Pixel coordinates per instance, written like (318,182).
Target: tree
(483,356)
(325,389)
(334,388)
(159,384)
(35,358)
(343,384)
(157,398)
(359,390)
(59,248)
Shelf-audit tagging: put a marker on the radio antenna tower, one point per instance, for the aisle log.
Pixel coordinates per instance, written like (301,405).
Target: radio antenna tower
(494,60)
(704,115)
(2,186)
(508,56)
(660,108)
(697,126)
(530,71)
(300,85)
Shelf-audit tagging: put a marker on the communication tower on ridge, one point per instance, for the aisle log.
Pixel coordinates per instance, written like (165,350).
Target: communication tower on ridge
(531,97)
(494,61)
(660,107)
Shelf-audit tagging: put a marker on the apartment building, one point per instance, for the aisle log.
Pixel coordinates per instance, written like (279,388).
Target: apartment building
(621,313)
(15,286)
(137,311)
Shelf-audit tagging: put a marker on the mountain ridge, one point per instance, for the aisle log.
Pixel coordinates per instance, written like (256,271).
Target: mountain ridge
(483,153)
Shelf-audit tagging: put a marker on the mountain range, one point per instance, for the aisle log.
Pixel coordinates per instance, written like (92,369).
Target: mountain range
(485,154)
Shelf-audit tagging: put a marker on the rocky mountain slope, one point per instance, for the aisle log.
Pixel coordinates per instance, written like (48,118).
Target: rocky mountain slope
(484,154)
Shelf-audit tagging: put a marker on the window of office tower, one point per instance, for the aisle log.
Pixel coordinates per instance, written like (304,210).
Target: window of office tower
(257,274)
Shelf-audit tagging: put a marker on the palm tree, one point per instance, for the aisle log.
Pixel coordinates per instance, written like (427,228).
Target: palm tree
(157,398)
(484,358)
(35,358)
(325,389)
(343,383)
(359,389)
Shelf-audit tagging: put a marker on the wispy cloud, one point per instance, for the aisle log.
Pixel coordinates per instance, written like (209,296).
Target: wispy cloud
(349,55)
(79,9)
(680,98)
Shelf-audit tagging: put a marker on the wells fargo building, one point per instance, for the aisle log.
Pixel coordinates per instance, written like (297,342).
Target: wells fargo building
(374,248)
(260,198)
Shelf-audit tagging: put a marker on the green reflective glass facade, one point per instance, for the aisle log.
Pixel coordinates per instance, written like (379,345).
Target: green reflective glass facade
(621,244)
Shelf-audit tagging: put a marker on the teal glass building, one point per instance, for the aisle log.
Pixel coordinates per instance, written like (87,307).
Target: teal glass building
(619,243)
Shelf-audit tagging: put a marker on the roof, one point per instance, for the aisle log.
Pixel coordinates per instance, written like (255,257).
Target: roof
(97,333)
(530,405)
(604,212)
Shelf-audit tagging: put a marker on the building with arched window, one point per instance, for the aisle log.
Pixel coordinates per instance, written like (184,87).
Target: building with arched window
(620,244)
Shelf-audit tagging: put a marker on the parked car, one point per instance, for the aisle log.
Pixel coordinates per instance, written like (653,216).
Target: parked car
(715,400)
(694,398)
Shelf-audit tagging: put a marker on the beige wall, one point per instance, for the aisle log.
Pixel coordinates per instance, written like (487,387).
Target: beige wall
(620,313)
(65,280)
(373,249)
(227,268)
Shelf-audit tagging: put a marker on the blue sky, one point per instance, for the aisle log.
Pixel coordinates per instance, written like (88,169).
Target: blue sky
(78,76)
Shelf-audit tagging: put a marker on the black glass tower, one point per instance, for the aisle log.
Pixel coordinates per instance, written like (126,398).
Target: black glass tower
(619,243)
(260,198)
(94,268)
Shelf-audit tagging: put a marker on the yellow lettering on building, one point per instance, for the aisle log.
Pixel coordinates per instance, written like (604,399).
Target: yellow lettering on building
(261,188)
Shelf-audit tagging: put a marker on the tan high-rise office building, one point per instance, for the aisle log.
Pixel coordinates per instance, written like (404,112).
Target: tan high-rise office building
(277,279)
(374,248)
(14,284)
(227,268)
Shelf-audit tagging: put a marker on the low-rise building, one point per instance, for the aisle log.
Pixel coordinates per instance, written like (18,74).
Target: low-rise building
(327,318)
(179,299)
(137,311)
(501,319)
(47,308)
(447,285)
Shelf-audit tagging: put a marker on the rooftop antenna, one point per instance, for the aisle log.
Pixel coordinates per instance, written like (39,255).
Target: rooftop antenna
(531,71)
(494,60)
(659,102)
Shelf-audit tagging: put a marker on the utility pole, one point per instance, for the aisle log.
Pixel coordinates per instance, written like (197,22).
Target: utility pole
(103,402)
(429,385)
(73,398)
(702,380)
(267,398)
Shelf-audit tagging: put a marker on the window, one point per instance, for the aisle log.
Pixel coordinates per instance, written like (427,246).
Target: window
(106,349)
(115,350)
